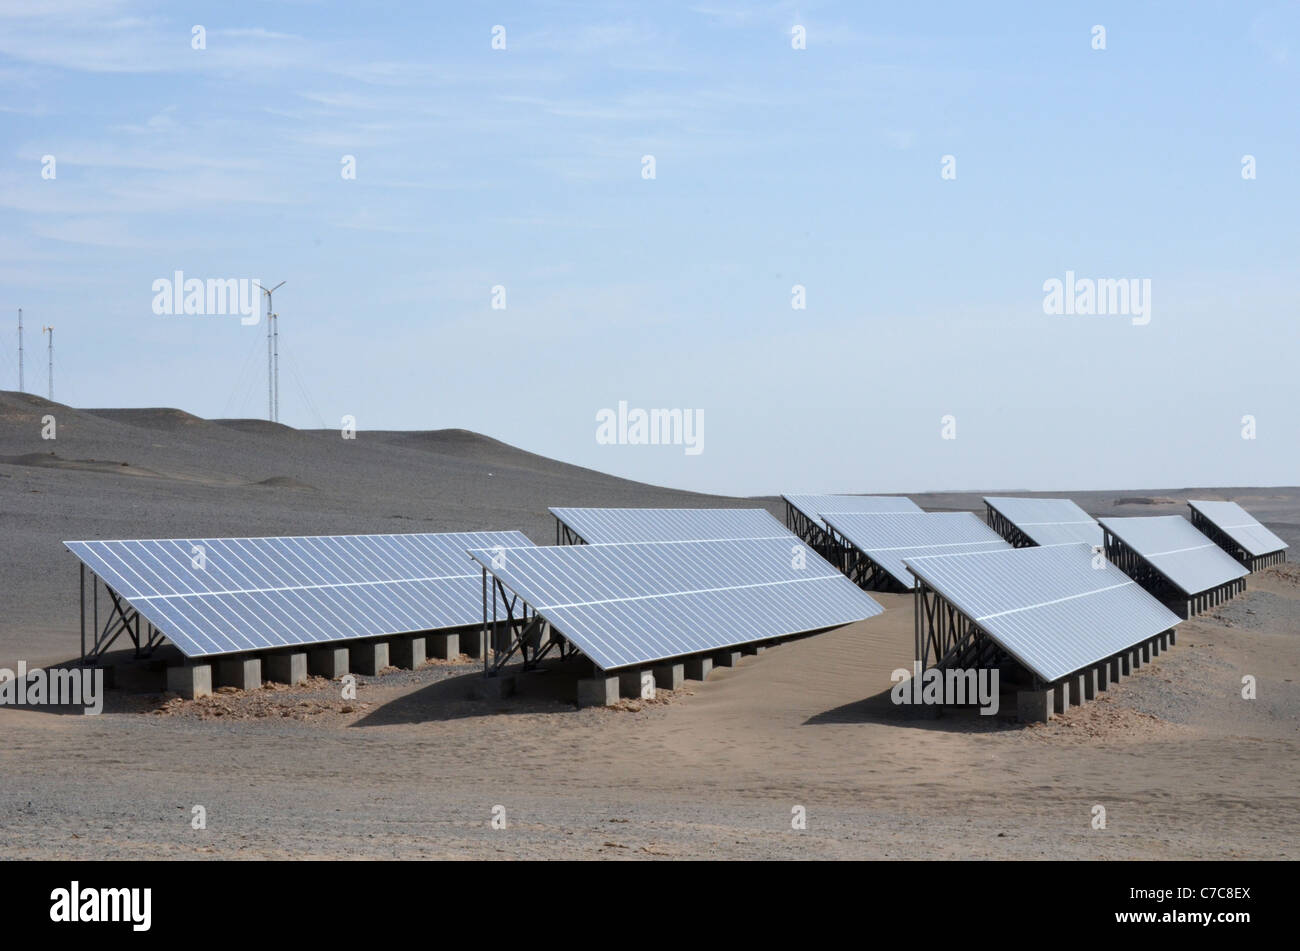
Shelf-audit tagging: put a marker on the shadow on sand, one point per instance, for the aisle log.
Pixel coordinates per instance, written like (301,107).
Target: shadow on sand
(85,688)
(549,689)
(881,708)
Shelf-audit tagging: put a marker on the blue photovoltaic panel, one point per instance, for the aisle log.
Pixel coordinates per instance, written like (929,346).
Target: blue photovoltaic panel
(1049,521)
(224,595)
(813,505)
(1054,609)
(638,602)
(889,538)
(598,526)
(1239,525)
(1177,549)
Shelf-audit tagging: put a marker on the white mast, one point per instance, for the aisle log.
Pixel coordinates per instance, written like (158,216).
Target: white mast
(50,331)
(272,357)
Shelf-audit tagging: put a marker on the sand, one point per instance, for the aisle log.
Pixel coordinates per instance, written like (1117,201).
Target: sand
(412,767)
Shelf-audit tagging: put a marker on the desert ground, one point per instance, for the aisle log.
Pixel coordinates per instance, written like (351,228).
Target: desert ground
(416,768)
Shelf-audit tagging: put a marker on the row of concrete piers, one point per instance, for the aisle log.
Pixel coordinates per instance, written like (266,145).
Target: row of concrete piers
(1258,562)
(604,688)
(1200,603)
(292,665)
(1040,705)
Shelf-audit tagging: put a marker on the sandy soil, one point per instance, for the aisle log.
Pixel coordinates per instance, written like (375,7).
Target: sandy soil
(414,768)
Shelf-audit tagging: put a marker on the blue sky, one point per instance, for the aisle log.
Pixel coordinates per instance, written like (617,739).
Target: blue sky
(774,167)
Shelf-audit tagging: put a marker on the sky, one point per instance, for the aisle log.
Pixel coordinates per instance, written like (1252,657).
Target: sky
(921,171)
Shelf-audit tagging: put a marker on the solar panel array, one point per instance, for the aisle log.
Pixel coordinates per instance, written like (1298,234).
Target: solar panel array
(1174,547)
(812,506)
(1239,525)
(888,539)
(1049,521)
(601,525)
(224,595)
(1054,609)
(640,602)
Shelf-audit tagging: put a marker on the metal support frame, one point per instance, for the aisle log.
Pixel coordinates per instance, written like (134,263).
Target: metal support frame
(1226,542)
(861,569)
(1006,528)
(818,537)
(523,631)
(1160,587)
(121,619)
(945,637)
(565,535)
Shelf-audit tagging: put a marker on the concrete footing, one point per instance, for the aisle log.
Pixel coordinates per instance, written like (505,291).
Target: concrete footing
(289,667)
(669,676)
(1037,706)
(1173,636)
(1034,706)
(636,684)
(190,680)
(1135,656)
(698,668)
(443,646)
(1154,644)
(406,652)
(598,691)
(1078,689)
(331,662)
(727,658)
(1125,665)
(242,672)
(471,643)
(368,657)
(1145,651)
(751,650)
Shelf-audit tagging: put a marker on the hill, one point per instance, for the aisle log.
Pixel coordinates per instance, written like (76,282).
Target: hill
(147,473)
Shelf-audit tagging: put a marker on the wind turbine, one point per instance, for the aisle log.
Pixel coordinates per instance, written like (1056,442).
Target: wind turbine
(272,356)
(50,331)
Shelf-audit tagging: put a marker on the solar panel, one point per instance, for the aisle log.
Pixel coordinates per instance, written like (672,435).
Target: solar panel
(1054,609)
(888,539)
(224,595)
(596,526)
(1173,546)
(638,602)
(1239,525)
(813,505)
(1049,521)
